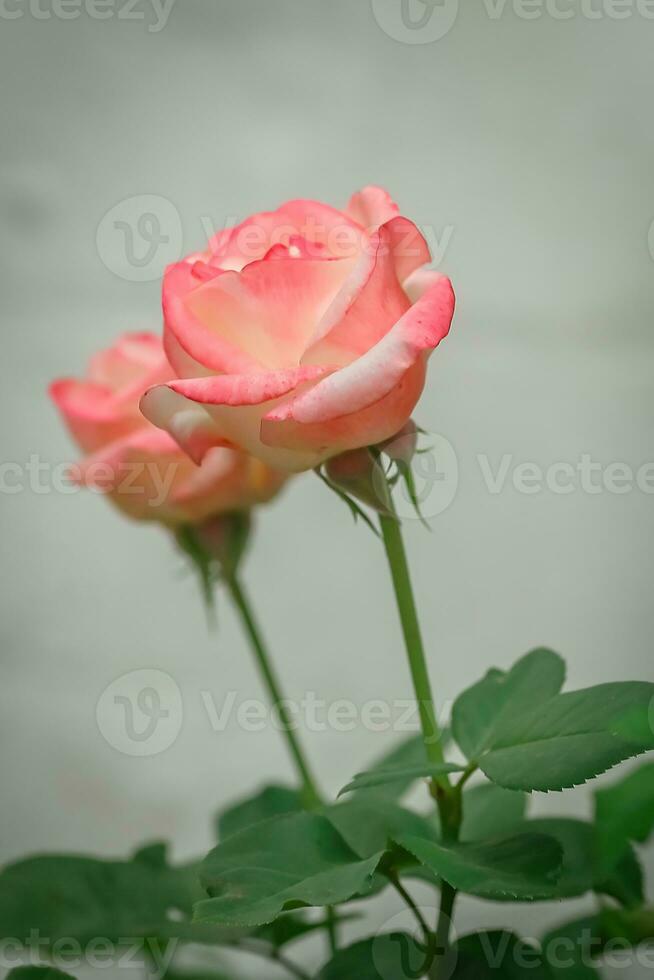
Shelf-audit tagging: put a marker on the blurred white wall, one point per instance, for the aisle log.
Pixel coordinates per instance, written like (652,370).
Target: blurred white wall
(525,146)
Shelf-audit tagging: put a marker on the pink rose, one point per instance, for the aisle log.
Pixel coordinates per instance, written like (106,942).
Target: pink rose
(300,333)
(139,466)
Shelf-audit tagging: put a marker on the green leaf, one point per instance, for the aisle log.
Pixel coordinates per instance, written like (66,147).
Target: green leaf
(635,925)
(496,954)
(410,752)
(291,926)
(570,948)
(368,826)
(578,873)
(387,956)
(624,812)
(397,774)
(83,897)
(37,973)
(525,866)
(491,811)
(271,801)
(568,739)
(480,711)
(286,862)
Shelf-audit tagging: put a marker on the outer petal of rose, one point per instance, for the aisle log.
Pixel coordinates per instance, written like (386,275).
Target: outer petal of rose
(226,480)
(366,427)
(419,282)
(190,335)
(201,413)
(132,355)
(139,472)
(89,412)
(148,477)
(371,207)
(267,312)
(368,305)
(394,367)
(409,247)
(370,300)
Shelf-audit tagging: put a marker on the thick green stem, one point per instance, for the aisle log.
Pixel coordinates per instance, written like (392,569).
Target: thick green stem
(310,791)
(394,544)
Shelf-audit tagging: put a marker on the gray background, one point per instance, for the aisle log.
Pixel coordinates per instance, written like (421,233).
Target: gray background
(531,141)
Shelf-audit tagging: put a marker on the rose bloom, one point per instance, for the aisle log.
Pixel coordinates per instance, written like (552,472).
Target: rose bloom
(140,467)
(300,333)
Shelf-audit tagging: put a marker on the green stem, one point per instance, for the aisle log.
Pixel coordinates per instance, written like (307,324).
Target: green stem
(442,939)
(448,798)
(394,544)
(269,677)
(450,807)
(408,898)
(312,798)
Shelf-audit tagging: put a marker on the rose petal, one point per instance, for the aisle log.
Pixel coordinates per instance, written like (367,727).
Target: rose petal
(185,333)
(201,413)
(317,223)
(365,427)
(130,356)
(419,282)
(89,412)
(267,312)
(394,368)
(371,207)
(365,309)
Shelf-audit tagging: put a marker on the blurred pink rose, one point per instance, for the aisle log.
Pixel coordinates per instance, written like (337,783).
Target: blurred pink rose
(142,468)
(300,333)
